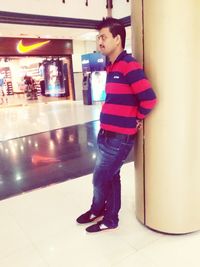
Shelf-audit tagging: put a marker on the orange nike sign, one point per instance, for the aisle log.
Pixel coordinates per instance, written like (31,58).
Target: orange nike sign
(21,48)
(36,159)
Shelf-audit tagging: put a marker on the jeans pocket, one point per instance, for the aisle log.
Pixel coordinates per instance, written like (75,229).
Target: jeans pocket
(113,143)
(126,147)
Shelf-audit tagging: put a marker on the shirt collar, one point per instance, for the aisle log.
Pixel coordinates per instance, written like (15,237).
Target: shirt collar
(121,56)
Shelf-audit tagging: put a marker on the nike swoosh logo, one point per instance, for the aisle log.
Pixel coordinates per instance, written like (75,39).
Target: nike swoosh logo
(21,48)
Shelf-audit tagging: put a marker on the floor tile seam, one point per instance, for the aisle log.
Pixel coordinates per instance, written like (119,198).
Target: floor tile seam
(26,232)
(26,235)
(149,244)
(18,195)
(41,255)
(123,258)
(32,242)
(137,253)
(15,251)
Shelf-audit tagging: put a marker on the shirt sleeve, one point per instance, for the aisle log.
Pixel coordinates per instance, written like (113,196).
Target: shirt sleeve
(141,88)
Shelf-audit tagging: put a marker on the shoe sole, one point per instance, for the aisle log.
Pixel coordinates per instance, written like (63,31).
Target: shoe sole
(103,230)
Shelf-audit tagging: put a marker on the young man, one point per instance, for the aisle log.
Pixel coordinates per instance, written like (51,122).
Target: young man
(129,98)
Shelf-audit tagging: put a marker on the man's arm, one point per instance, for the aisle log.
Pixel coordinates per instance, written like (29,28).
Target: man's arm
(142,89)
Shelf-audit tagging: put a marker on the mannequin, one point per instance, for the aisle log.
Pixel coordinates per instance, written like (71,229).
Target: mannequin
(3,88)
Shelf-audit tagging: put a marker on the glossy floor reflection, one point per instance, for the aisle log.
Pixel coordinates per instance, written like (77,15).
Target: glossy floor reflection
(51,157)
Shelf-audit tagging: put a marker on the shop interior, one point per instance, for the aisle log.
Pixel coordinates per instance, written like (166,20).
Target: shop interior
(25,80)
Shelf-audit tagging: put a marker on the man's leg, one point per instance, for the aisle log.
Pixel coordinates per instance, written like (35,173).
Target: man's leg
(106,178)
(113,203)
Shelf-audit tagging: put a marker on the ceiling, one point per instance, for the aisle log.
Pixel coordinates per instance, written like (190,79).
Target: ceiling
(28,31)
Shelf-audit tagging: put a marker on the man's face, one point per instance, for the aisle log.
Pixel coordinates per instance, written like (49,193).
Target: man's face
(106,42)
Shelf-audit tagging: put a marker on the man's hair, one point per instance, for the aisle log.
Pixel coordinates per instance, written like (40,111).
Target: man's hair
(115,26)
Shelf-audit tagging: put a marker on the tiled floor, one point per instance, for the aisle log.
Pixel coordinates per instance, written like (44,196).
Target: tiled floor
(38,229)
(42,117)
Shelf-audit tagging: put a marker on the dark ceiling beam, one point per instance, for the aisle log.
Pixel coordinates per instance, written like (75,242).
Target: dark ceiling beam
(40,20)
(52,21)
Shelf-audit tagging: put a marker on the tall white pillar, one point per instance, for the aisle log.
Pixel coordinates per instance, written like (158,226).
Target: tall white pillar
(167,40)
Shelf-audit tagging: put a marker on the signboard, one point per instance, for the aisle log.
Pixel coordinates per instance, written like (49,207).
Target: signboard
(34,47)
(93,62)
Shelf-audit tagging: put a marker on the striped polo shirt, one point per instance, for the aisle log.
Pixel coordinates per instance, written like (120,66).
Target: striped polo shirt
(129,96)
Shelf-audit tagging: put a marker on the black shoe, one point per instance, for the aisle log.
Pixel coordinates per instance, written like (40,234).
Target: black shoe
(87,217)
(100,226)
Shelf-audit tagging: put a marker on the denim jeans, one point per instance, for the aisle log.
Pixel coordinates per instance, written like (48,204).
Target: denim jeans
(112,152)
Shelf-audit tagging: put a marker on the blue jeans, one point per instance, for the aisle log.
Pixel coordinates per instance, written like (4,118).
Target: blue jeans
(113,149)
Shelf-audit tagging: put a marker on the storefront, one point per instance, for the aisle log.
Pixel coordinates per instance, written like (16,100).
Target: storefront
(37,69)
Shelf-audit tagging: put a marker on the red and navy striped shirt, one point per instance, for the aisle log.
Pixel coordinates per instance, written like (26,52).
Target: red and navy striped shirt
(129,96)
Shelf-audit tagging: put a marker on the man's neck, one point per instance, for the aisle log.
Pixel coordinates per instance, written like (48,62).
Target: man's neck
(114,55)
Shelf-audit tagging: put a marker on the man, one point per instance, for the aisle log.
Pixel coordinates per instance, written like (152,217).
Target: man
(129,98)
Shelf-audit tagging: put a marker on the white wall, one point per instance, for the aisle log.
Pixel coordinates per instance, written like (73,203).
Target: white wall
(71,9)
(78,78)
(121,8)
(80,48)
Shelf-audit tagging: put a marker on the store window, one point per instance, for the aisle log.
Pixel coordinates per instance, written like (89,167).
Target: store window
(23,79)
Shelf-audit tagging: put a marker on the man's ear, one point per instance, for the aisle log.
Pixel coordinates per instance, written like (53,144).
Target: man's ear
(118,39)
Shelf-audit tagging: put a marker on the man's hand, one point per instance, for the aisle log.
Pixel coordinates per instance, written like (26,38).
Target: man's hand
(139,124)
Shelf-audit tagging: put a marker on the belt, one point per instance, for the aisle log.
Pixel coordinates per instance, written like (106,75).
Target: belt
(113,134)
